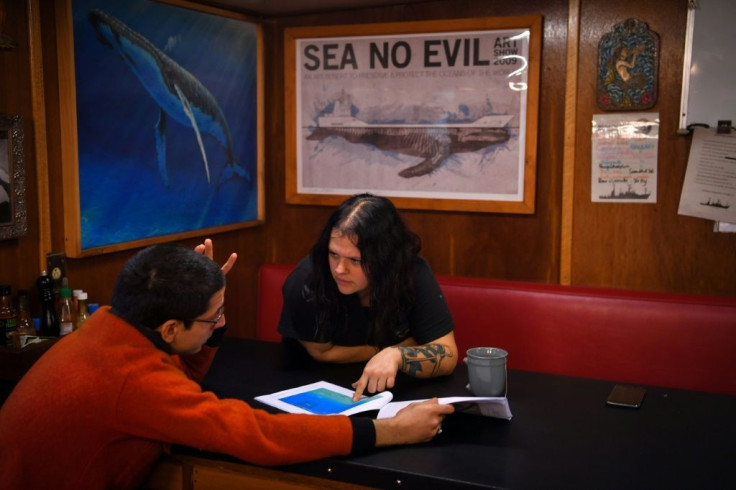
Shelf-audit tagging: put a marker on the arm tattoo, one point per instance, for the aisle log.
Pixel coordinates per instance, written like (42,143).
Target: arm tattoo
(413,359)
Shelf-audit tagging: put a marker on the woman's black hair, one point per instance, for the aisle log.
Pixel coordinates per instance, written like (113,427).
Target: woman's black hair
(388,250)
(164,282)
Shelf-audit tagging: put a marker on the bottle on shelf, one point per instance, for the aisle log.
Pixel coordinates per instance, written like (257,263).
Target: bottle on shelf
(75,298)
(8,317)
(82,310)
(25,322)
(66,312)
(49,319)
(57,293)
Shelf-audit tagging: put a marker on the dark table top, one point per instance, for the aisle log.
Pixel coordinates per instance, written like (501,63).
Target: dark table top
(562,435)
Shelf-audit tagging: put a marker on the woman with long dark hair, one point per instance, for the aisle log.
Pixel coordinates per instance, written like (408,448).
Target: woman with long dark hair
(365,294)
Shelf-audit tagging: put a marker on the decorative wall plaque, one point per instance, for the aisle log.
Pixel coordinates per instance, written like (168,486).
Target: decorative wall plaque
(628,59)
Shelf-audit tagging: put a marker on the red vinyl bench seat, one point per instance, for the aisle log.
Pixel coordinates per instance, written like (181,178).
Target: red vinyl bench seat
(659,339)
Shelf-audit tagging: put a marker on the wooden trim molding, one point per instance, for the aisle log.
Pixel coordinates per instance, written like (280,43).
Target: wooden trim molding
(38,102)
(568,159)
(179,472)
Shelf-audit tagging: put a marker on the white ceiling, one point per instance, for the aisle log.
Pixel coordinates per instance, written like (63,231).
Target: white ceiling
(278,8)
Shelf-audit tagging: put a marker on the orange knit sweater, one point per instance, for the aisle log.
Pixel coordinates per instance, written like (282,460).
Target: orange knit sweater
(99,408)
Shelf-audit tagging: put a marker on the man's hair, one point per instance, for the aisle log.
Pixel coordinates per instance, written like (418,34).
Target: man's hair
(388,250)
(164,282)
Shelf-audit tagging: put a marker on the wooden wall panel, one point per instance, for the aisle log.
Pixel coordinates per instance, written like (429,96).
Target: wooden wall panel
(18,256)
(644,246)
(624,245)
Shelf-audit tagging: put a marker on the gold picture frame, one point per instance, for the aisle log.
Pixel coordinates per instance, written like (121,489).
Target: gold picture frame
(148,159)
(438,115)
(13,214)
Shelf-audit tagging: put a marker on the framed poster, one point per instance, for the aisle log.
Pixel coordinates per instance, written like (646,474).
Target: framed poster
(13,216)
(161,116)
(433,114)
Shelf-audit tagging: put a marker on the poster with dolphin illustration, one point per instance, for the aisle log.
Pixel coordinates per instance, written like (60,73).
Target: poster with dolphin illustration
(434,114)
(167,109)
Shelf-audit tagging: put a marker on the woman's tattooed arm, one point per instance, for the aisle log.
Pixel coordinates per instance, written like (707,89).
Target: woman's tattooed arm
(423,361)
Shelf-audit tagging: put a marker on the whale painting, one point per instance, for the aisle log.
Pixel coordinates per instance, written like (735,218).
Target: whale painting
(431,142)
(167,122)
(177,92)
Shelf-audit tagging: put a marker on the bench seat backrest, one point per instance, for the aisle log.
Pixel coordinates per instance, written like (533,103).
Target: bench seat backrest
(658,339)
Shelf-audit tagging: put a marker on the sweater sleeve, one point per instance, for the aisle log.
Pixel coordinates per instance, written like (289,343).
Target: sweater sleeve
(159,402)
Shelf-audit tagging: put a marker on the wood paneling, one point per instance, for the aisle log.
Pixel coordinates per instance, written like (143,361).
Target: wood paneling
(186,472)
(644,246)
(18,256)
(639,246)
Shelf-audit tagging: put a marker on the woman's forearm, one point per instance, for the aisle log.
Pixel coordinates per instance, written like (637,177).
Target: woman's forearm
(428,360)
(327,352)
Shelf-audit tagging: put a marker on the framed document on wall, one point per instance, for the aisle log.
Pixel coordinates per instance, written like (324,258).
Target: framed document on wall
(434,114)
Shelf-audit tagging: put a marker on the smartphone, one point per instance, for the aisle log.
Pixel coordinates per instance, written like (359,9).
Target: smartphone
(626,396)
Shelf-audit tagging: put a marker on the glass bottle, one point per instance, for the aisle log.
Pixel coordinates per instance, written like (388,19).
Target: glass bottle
(49,319)
(25,323)
(75,298)
(66,312)
(8,317)
(57,295)
(82,311)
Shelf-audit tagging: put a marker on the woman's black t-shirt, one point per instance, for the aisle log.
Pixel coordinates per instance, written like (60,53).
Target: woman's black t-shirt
(426,320)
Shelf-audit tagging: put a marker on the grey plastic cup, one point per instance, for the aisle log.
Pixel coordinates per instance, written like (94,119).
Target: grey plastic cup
(486,371)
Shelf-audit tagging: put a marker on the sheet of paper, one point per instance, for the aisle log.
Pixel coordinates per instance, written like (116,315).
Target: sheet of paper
(497,407)
(323,398)
(624,159)
(709,189)
(722,227)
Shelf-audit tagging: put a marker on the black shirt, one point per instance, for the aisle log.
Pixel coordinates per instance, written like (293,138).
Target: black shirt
(426,320)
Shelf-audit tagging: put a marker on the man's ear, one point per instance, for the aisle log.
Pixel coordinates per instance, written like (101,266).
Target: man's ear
(169,329)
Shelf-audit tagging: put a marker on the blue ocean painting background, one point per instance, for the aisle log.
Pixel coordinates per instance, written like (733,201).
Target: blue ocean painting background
(122,194)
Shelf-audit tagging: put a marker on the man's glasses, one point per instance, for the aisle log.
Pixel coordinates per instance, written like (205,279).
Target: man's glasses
(217,318)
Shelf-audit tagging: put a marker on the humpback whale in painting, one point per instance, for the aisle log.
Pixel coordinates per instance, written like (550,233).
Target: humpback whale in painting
(433,142)
(176,91)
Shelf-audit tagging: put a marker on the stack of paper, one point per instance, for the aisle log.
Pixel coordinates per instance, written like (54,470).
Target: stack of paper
(497,407)
(323,398)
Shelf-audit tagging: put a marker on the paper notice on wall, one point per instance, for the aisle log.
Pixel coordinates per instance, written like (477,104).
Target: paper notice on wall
(624,160)
(709,190)
(723,227)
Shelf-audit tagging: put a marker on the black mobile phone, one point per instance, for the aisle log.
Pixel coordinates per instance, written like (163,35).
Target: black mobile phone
(626,396)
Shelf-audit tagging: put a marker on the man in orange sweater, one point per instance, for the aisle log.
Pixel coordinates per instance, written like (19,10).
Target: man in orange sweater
(102,405)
